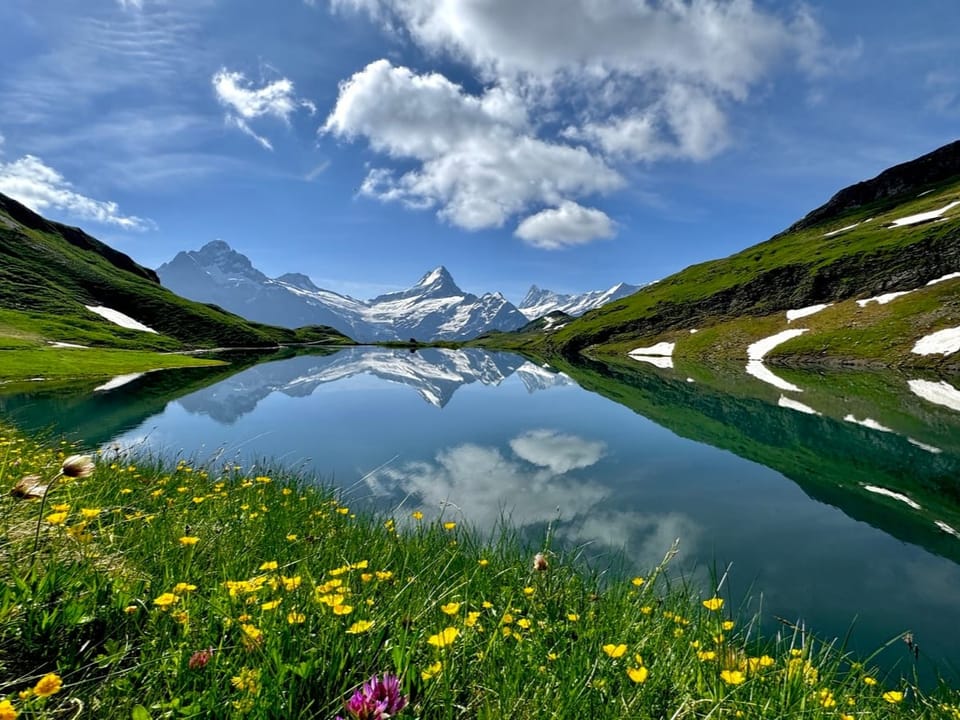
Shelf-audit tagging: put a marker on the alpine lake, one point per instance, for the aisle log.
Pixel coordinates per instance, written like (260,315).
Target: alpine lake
(833,507)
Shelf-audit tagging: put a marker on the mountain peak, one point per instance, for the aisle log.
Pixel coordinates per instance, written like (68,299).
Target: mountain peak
(298,280)
(216,246)
(439,276)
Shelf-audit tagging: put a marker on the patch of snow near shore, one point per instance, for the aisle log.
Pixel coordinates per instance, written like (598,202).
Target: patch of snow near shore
(883,299)
(923,446)
(66,345)
(948,276)
(924,217)
(761,373)
(665,363)
(786,402)
(693,330)
(661,348)
(941,393)
(118,381)
(803,312)
(869,423)
(762,347)
(942,342)
(946,528)
(118,318)
(891,494)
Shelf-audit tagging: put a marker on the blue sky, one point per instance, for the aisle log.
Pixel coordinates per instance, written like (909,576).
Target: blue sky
(568,143)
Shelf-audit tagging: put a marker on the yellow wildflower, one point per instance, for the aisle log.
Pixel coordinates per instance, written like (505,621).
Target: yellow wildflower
(573,617)
(296,618)
(7,711)
(183,587)
(638,581)
(269,565)
(290,583)
(384,575)
(49,684)
(727,624)
(360,626)
(251,632)
(431,671)
(893,696)
(614,651)
(445,637)
(528,591)
(342,609)
(89,513)
(166,600)
(56,518)
(449,525)
(247,681)
(706,655)
(483,562)
(638,674)
(451,608)
(524,623)
(869,680)
(189,540)
(272,604)
(713,604)
(416,515)
(472,618)
(732,677)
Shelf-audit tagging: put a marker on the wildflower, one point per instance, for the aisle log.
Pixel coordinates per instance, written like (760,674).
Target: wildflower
(472,618)
(893,696)
(384,575)
(339,609)
(450,608)
(528,591)
(483,562)
(713,604)
(49,684)
(7,711)
(432,671)
(540,563)
(706,655)
(166,600)
(869,680)
(183,587)
(269,565)
(524,623)
(826,699)
(732,677)
(187,540)
(247,681)
(290,583)
(417,515)
(56,518)
(445,637)
(77,466)
(200,658)
(29,487)
(292,537)
(296,618)
(360,626)
(449,525)
(552,656)
(638,674)
(272,605)
(89,513)
(637,581)
(376,699)
(614,651)
(573,617)
(130,609)
(727,624)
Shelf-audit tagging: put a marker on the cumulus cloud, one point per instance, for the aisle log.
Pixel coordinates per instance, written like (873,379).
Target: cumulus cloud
(244,102)
(564,226)
(557,451)
(478,161)
(37,185)
(632,81)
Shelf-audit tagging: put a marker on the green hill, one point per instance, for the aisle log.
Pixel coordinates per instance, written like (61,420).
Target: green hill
(50,273)
(850,248)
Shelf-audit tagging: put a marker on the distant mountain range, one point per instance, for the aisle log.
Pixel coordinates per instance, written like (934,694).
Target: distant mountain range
(435,308)
(538,303)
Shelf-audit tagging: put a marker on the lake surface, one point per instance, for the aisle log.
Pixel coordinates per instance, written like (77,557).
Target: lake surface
(835,506)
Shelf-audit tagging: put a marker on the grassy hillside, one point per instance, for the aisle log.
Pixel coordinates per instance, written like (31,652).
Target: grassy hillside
(847,249)
(49,272)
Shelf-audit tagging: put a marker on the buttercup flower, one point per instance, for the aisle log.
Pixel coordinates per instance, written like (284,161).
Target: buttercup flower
(713,604)
(444,637)
(614,651)
(49,684)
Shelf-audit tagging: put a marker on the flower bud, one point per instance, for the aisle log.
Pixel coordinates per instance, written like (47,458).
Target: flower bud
(540,563)
(78,466)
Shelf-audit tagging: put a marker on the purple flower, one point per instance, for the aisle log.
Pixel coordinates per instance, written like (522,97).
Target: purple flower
(376,699)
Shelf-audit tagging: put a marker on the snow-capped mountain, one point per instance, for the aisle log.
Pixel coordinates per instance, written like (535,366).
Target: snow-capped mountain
(433,309)
(435,373)
(538,303)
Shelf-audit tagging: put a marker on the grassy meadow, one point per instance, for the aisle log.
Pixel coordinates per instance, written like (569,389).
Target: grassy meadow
(151,590)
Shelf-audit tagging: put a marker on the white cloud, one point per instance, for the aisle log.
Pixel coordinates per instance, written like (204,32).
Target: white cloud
(244,102)
(634,80)
(40,187)
(478,160)
(131,4)
(569,224)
